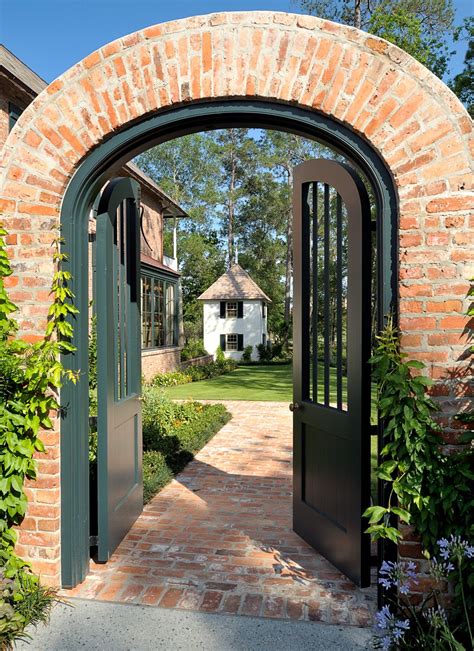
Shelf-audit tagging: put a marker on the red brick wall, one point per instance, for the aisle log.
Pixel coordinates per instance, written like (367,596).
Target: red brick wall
(409,116)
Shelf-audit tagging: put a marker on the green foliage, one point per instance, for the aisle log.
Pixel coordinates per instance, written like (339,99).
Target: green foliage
(172,434)
(247,354)
(463,83)
(421,27)
(194,373)
(270,352)
(433,488)
(170,379)
(236,186)
(23,601)
(220,357)
(32,374)
(193,348)
(398,23)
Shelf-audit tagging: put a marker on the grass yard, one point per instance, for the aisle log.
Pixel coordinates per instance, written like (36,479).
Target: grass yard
(274,383)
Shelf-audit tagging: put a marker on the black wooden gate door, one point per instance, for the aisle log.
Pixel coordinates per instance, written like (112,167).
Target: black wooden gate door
(331,408)
(119,454)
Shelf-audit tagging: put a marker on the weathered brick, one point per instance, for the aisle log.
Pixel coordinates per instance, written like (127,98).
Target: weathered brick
(421,132)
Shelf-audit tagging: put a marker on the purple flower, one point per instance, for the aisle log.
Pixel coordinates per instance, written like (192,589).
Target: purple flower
(455,547)
(384,617)
(399,575)
(436,616)
(440,569)
(393,629)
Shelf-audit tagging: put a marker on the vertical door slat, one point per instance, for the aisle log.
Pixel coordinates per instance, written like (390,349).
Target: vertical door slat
(339,298)
(315,292)
(326,292)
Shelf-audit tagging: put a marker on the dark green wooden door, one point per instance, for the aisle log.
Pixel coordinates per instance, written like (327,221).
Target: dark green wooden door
(119,455)
(331,335)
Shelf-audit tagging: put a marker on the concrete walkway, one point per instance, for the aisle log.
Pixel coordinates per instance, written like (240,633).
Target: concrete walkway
(219,538)
(100,626)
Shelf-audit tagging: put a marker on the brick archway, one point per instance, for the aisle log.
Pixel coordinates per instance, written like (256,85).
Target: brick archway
(408,116)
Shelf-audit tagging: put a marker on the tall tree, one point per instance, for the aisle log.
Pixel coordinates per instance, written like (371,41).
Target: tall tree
(185,168)
(237,157)
(420,27)
(281,153)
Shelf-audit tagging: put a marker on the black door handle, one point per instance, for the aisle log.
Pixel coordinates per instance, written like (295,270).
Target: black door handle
(293,406)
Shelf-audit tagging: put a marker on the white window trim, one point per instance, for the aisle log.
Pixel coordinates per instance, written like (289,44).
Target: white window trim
(231,316)
(234,345)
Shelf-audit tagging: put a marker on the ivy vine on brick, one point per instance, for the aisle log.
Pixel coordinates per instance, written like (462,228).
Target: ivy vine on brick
(30,378)
(432,488)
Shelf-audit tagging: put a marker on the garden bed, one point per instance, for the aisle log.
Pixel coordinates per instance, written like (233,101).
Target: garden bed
(172,434)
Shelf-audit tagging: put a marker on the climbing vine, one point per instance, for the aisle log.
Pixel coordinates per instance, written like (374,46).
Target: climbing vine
(432,489)
(30,377)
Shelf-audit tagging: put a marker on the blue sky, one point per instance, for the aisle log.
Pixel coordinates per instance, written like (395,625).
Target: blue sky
(51,35)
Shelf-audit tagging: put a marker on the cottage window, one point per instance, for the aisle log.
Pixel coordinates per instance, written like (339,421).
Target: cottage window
(231,309)
(231,342)
(159,311)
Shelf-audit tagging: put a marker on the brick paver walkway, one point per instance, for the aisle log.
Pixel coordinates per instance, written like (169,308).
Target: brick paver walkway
(219,537)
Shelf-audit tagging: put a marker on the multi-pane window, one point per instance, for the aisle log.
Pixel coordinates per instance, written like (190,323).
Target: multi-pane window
(159,312)
(231,309)
(231,342)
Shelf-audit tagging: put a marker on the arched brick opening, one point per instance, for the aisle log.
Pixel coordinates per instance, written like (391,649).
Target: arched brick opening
(408,116)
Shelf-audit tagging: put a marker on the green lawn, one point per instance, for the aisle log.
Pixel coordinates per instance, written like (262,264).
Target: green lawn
(274,383)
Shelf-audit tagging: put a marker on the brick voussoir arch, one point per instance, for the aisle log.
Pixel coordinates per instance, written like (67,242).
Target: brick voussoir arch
(408,115)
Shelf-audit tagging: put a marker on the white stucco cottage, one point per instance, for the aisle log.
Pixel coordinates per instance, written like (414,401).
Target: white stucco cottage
(235,314)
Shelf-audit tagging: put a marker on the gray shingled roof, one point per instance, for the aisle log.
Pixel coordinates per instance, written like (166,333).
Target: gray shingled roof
(234,284)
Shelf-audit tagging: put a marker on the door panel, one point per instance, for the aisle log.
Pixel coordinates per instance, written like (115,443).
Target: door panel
(331,422)
(119,454)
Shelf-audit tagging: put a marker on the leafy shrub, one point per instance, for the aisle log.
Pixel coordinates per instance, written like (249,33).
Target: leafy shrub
(23,601)
(171,379)
(247,354)
(194,373)
(220,357)
(264,353)
(193,348)
(172,434)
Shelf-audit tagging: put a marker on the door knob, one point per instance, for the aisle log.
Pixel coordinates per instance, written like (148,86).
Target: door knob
(293,406)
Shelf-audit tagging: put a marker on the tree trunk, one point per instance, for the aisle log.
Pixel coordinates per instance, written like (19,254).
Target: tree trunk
(357,15)
(231,204)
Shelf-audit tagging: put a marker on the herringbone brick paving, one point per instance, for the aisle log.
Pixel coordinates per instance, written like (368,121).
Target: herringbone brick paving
(218,538)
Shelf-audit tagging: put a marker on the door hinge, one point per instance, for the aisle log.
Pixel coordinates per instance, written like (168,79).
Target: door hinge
(93,541)
(373,225)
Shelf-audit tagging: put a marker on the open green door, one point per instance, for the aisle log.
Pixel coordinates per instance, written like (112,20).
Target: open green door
(119,453)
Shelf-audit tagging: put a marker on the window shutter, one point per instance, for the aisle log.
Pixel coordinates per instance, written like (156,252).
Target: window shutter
(223,341)
(222,309)
(240,342)
(240,310)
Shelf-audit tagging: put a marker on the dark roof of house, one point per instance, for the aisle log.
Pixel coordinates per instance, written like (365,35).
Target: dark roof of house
(170,207)
(235,283)
(19,72)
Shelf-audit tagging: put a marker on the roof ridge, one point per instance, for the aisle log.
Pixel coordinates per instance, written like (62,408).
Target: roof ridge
(234,283)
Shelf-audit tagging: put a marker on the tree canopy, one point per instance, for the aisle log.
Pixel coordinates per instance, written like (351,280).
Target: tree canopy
(236,186)
(420,27)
